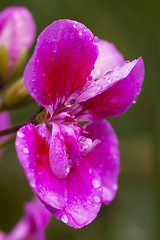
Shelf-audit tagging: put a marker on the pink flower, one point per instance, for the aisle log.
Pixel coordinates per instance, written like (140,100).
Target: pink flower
(32,225)
(73,169)
(4,123)
(17,33)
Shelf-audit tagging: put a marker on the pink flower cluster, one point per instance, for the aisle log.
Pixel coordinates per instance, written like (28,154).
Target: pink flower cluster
(73,169)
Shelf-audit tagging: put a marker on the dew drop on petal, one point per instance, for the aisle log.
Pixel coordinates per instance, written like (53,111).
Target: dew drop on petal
(96,40)
(114,99)
(96,183)
(89,78)
(32,183)
(20,134)
(25,150)
(115,186)
(67,169)
(97,199)
(64,218)
(90,171)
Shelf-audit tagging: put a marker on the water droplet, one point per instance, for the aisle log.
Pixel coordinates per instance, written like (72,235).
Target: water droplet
(89,78)
(115,186)
(99,87)
(97,199)
(80,32)
(67,169)
(96,183)
(90,171)
(96,40)
(33,184)
(134,101)
(64,218)
(25,150)
(43,74)
(114,99)
(20,134)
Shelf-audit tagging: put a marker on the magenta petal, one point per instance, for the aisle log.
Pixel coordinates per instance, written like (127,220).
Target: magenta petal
(63,59)
(32,145)
(83,197)
(111,95)
(64,150)
(109,58)
(104,158)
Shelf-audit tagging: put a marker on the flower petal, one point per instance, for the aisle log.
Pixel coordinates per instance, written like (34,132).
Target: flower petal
(109,58)
(63,59)
(64,150)
(83,198)
(111,95)
(75,200)
(32,145)
(104,158)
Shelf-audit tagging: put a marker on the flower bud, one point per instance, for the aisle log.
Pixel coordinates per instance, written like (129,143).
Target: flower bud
(17,33)
(15,97)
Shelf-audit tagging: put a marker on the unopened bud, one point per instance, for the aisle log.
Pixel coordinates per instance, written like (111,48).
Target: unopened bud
(15,97)
(17,33)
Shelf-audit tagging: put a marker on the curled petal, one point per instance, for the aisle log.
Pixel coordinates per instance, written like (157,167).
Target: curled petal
(104,158)
(111,95)
(109,58)
(64,150)
(63,59)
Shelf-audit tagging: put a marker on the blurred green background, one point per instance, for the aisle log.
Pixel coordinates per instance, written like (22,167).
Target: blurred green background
(134,27)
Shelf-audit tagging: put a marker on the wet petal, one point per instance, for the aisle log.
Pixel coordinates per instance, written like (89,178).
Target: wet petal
(109,58)
(32,145)
(63,59)
(111,95)
(83,197)
(104,158)
(64,150)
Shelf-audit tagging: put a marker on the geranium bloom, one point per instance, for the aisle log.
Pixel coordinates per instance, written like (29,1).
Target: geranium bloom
(32,225)
(17,33)
(73,169)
